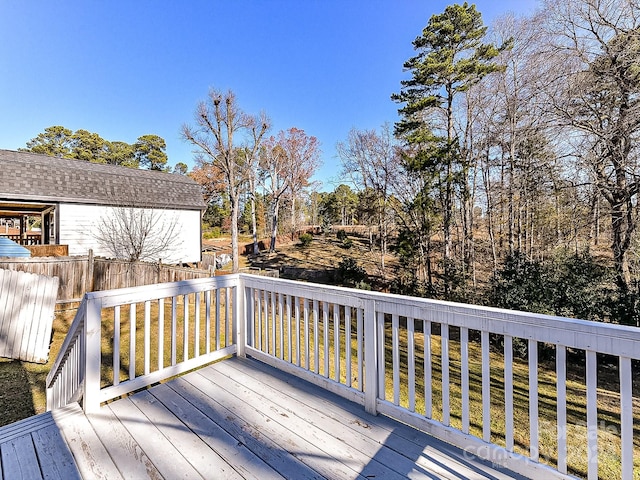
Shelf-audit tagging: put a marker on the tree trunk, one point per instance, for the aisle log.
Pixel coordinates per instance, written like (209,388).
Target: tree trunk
(293,218)
(620,234)
(234,199)
(489,208)
(511,207)
(274,224)
(254,226)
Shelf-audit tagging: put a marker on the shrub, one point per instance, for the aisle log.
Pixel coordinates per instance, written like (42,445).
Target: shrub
(215,232)
(305,239)
(570,285)
(522,284)
(350,272)
(347,243)
(363,286)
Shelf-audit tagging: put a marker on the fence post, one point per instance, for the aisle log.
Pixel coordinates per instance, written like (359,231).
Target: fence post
(91,353)
(90,270)
(370,358)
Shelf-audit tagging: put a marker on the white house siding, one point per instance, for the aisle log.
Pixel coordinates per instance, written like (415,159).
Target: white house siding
(78,228)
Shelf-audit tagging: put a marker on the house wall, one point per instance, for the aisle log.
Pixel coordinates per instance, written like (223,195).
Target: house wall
(79,227)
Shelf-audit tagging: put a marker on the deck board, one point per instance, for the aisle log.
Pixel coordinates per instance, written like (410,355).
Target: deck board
(186,441)
(334,440)
(245,434)
(19,458)
(248,464)
(89,453)
(435,455)
(363,431)
(235,419)
(259,425)
(121,445)
(167,457)
(55,460)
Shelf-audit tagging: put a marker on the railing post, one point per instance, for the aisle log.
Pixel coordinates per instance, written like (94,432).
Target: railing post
(240,317)
(91,360)
(370,357)
(50,397)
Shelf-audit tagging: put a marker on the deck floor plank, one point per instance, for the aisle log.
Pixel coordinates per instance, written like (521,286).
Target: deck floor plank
(336,438)
(54,457)
(132,459)
(362,431)
(235,419)
(19,459)
(435,455)
(262,428)
(245,433)
(248,465)
(203,458)
(89,454)
(165,456)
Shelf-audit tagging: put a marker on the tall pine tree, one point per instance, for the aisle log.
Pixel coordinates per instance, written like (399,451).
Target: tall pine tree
(450,58)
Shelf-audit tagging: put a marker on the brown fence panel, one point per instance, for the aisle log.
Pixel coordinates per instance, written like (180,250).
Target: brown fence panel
(110,274)
(72,272)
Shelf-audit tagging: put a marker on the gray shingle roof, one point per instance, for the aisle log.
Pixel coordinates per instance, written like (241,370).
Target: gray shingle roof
(40,178)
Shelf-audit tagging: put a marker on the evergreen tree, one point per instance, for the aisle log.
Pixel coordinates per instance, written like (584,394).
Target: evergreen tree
(451,57)
(55,141)
(150,152)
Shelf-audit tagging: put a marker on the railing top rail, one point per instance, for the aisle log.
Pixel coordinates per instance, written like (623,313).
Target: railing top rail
(125,296)
(607,338)
(344,296)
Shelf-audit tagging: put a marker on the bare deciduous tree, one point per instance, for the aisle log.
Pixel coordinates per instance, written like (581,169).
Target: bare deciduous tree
(370,159)
(303,152)
(273,173)
(287,163)
(595,90)
(219,122)
(139,234)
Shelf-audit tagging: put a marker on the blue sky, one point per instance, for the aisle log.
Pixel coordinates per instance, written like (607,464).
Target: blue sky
(124,68)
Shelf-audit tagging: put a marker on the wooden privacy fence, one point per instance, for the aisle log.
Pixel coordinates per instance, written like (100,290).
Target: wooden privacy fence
(27,304)
(112,274)
(72,272)
(81,274)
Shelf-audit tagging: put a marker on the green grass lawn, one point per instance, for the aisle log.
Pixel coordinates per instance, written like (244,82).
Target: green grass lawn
(22,385)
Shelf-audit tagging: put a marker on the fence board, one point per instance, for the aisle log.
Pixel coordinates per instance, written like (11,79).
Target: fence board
(26,315)
(74,273)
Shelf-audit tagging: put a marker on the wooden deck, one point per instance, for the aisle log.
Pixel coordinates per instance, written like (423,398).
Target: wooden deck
(234,419)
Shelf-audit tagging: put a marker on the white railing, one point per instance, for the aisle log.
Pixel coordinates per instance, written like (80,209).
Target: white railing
(117,333)
(446,368)
(66,378)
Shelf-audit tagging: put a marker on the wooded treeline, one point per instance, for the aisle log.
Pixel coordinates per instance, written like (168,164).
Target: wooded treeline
(512,175)
(148,151)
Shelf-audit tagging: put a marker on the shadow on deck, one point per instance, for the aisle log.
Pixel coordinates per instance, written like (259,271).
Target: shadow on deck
(238,418)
